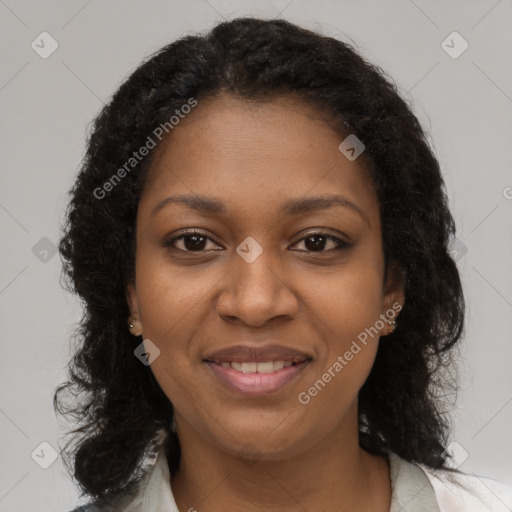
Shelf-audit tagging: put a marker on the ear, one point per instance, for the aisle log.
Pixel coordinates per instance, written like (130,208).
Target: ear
(394,296)
(131,298)
(134,322)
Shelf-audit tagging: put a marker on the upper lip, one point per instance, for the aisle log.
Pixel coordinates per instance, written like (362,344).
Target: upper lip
(250,353)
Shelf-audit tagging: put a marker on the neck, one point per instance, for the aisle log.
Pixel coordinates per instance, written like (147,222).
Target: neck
(335,474)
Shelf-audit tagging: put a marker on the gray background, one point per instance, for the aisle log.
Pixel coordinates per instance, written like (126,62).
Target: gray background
(465,103)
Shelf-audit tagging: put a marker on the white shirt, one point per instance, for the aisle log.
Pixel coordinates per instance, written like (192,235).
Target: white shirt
(414,489)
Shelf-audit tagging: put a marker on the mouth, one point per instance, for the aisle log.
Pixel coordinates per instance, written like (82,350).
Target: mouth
(257,378)
(257,367)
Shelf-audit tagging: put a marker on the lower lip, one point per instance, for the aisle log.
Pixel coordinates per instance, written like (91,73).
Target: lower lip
(256,384)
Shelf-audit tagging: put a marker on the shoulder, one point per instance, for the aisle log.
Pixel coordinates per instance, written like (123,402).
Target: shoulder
(462,491)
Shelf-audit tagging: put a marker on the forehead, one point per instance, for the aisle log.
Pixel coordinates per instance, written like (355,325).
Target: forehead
(256,154)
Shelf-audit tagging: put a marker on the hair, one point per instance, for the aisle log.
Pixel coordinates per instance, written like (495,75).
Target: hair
(116,401)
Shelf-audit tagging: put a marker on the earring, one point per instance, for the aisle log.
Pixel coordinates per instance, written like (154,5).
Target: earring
(131,325)
(392,326)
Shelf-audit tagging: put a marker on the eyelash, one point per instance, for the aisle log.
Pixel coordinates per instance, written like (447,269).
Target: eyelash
(341,244)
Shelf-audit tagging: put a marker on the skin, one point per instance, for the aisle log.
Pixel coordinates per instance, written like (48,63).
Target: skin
(272,452)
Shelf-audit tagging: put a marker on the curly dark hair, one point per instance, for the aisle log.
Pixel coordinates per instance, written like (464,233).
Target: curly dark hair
(117,403)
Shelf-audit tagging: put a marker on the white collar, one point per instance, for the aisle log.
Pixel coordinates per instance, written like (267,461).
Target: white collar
(156,493)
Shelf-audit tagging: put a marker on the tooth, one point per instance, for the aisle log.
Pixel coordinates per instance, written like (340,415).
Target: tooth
(278,365)
(248,367)
(255,367)
(266,367)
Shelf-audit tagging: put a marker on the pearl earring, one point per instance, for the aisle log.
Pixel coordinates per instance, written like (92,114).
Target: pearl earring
(131,325)
(392,326)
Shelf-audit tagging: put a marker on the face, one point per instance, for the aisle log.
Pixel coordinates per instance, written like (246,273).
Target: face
(268,265)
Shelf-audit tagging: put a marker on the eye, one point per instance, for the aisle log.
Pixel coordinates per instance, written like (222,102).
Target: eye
(316,242)
(193,241)
(196,241)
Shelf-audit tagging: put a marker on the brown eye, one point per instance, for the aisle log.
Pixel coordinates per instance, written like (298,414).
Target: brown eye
(317,242)
(190,242)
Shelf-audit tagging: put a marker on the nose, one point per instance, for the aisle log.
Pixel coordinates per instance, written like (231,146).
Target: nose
(257,292)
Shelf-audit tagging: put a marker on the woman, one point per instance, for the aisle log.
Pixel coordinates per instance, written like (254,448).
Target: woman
(259,233)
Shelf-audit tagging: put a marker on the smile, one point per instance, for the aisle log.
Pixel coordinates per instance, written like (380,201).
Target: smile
(255,367)
(256,378)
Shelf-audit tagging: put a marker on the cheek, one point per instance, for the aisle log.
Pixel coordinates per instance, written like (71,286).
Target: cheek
(171,305)
(172,311)
(349,324)
(346,309)
(349,299)
(171,300)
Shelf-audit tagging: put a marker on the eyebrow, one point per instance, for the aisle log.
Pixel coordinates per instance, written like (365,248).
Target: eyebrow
(291,207)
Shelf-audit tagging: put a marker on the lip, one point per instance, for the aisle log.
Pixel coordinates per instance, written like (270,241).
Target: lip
(259,354)
(257,384)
